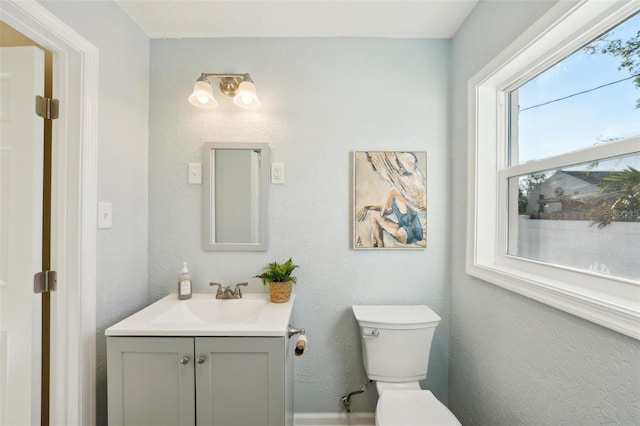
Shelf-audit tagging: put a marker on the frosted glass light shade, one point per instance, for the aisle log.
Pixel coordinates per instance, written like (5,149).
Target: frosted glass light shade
(246,96)
(202,96)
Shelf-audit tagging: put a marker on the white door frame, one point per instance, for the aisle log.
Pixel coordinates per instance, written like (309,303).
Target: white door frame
(73,211)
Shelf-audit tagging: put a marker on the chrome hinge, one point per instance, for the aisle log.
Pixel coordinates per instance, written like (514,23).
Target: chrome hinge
(44,281)
(47,108)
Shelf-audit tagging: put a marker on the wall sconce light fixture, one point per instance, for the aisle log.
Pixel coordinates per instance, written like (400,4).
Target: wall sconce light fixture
(238,86)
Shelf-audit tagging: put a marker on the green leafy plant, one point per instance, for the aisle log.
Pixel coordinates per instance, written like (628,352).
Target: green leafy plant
(278,272)
(622,197)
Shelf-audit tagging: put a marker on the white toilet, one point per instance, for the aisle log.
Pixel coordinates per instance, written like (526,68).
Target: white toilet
(396,341)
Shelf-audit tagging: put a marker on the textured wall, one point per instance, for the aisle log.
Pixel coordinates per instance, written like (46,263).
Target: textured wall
(123,108)
(321,100)
(515,361)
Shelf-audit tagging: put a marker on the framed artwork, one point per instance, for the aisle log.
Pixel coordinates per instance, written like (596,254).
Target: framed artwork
(389,199)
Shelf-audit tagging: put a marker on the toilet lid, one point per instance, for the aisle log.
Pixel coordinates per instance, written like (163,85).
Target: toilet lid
(412,408)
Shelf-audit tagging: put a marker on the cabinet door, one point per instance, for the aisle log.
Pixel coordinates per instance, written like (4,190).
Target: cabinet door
(240,382)
(150,381)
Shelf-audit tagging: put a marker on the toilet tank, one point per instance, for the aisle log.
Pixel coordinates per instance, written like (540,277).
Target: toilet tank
(396,340)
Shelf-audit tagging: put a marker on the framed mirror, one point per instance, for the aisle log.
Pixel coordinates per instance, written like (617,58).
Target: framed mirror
(235,196)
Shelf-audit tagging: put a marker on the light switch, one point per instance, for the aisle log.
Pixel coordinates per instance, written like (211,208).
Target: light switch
(195,173)
(105,215)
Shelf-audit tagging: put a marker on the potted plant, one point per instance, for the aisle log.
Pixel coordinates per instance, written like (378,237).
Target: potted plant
(278,276)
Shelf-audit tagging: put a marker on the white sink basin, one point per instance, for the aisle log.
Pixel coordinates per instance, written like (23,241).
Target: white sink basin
(212,312)
(204,315)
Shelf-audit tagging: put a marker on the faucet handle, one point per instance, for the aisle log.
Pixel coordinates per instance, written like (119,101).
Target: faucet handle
(238,292)
(219,287)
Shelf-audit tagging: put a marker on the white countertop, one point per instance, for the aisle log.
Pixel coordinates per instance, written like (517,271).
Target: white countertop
(204,315)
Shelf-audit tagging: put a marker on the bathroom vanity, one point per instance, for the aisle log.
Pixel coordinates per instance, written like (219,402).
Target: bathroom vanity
(202,361)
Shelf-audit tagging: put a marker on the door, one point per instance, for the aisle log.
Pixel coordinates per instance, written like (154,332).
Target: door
(240,381)
(150,381)
(21,176)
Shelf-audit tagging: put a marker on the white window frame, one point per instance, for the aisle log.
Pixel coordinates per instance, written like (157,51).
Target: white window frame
(608,301)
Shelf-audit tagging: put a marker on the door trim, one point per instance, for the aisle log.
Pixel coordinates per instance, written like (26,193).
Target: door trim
(73,215)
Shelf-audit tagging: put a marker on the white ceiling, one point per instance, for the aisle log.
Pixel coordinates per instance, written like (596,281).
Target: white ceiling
(298,18)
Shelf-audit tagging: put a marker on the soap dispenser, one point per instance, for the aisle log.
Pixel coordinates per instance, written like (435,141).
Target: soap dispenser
(184,283)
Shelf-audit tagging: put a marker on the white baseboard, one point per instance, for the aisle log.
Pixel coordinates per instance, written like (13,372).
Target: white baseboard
(334,419)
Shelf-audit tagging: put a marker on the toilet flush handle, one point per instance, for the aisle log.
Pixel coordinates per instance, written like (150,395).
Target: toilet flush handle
(372,333)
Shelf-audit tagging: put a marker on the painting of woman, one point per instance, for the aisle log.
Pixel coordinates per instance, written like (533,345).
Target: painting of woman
(390,201)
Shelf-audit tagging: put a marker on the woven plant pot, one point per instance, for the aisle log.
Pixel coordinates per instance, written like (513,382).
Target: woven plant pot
(280,292)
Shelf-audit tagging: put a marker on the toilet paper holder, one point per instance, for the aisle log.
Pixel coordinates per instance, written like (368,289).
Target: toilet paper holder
(301,343)
(292,331)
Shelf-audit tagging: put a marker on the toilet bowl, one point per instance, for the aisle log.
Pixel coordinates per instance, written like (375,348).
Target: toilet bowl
(406,404)
(396,341)
(412,408)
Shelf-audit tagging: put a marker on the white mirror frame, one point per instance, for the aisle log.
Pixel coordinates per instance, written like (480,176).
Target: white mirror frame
(208,211)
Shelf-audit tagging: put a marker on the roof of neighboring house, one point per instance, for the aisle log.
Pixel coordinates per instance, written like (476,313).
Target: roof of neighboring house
(589,176)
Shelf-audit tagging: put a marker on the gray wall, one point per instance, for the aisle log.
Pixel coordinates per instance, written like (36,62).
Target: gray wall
(123,109)
(513,360)
(321,100)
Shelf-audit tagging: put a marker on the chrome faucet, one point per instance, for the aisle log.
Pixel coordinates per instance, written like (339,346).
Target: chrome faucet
(227,293)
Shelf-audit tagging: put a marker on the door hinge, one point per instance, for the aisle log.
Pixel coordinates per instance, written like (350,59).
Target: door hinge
(47,108)
(44,281)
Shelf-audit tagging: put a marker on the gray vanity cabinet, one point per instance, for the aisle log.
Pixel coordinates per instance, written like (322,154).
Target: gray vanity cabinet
(149,381)
(218,381)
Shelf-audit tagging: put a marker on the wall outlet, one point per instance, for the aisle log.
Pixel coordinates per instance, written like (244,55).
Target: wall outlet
(277,173)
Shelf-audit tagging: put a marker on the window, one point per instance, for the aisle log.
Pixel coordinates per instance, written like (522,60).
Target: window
(554,211)
(584,216)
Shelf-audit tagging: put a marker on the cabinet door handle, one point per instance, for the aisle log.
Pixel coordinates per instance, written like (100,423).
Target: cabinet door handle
(200,359)
(184,360)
